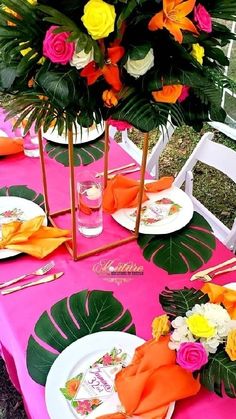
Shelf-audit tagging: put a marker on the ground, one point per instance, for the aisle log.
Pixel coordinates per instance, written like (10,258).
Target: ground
(211,187)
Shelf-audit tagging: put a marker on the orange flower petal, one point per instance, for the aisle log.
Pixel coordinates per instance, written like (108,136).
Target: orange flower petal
(187,24)
(174,29)
(91,72)
(112,76)
(115,54)
(156,22)
(168,94)
(185,8)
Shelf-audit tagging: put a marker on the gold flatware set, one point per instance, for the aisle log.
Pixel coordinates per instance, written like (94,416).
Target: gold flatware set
(208,274)
(39,272)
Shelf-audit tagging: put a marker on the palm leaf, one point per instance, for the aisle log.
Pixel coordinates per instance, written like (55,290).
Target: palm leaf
(223,9)
(178,302)
(219,374)
(93,311)
(83,154)
(23,191)
(185,250)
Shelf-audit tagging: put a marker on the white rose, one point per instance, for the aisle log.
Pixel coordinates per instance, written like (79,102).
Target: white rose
(81,59)
(137,68)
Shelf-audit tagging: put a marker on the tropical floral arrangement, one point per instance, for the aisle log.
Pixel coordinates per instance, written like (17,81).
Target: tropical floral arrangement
(203,334)
(139,61)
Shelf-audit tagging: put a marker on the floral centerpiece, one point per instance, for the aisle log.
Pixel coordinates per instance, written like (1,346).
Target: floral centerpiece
(203,335)
(140,61)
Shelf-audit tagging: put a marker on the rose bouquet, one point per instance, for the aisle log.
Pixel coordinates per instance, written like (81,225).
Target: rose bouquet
(139,61)
(203,335)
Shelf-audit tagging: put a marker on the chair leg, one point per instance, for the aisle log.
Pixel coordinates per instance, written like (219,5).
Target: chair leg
(189,183)
(230,242)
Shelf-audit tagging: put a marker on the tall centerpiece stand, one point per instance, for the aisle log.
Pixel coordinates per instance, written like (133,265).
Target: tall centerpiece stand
(73,247)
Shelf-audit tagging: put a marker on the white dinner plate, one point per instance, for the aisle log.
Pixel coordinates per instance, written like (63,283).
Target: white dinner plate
(77,358)
(83,135)
(167,225)
(13,208)
(231,286)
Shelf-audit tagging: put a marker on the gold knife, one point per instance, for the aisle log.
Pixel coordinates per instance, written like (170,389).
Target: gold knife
(44,280)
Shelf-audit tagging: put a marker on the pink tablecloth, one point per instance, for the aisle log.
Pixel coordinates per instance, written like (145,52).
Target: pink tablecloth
(20,311)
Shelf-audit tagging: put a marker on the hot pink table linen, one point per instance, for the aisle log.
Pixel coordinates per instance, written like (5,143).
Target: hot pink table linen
(19,312)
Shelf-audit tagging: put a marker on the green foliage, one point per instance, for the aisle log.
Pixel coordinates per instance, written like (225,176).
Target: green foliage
(177,302)
(23,191)
(182,251)
(71,99)
(92,310)
(219,374)
(83,155)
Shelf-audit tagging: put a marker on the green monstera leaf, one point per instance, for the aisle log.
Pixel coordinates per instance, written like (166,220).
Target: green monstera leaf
(177,302)
(185,250)
(83,155)
(23,191)
(219,374)
(93,311)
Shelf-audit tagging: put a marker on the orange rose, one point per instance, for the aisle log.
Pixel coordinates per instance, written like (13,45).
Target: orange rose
(168,94)
(109,98)
(231,345)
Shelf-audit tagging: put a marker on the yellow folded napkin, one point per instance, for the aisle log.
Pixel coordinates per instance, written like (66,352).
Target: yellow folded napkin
(10,145)
(122,192)
(32,237)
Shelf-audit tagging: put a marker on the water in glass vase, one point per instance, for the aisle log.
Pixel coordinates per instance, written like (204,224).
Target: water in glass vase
(90,221)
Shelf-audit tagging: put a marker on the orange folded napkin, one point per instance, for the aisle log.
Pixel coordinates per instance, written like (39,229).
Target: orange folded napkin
(10,145)
(122,192)
(32,237)
(152,381)
(222,295)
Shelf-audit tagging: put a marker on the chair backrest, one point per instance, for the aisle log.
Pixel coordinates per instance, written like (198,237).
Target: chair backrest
(222,158)
(229,97)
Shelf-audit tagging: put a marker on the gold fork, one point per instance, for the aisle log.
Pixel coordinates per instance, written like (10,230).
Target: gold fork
(205,272)
(41,271)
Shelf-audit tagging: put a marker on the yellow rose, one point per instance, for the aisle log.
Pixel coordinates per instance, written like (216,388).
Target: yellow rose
(160,326)
(99,18)
(200,327)
(198,53)
(231,345)
(33,2)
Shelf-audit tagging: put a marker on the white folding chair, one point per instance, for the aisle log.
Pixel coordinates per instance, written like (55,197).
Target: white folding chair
(222,158)
(136,153)
(229,127)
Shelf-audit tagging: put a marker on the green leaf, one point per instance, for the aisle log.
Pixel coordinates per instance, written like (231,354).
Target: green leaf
(23,191)
(83,154)
(93,311)
(219,374)
(185,250)
(178,302)
(138,52)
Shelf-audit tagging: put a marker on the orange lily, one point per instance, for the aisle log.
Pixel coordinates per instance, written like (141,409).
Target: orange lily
(110,71)
(173,18)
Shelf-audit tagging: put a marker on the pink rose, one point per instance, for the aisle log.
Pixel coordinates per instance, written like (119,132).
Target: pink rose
(120,125)
(191,356)
(184,94)
(202,18)
(56,47)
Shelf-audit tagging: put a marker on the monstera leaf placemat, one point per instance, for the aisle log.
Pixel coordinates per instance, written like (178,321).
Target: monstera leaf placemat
(93,311)
(185,250)
(23,191)
(83,154)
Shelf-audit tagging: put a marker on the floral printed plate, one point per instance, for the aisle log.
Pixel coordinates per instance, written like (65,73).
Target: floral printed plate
(14,208)
(164,212)
(83,135)
(80,383)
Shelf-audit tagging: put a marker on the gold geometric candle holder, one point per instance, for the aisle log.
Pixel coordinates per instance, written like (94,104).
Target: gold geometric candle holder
(73,247)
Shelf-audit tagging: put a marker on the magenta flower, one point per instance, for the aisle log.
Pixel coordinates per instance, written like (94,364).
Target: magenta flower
(191,356)
(184,94)
(202,18)
(120,125)
(56,47)
(84,407)
(107,359)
